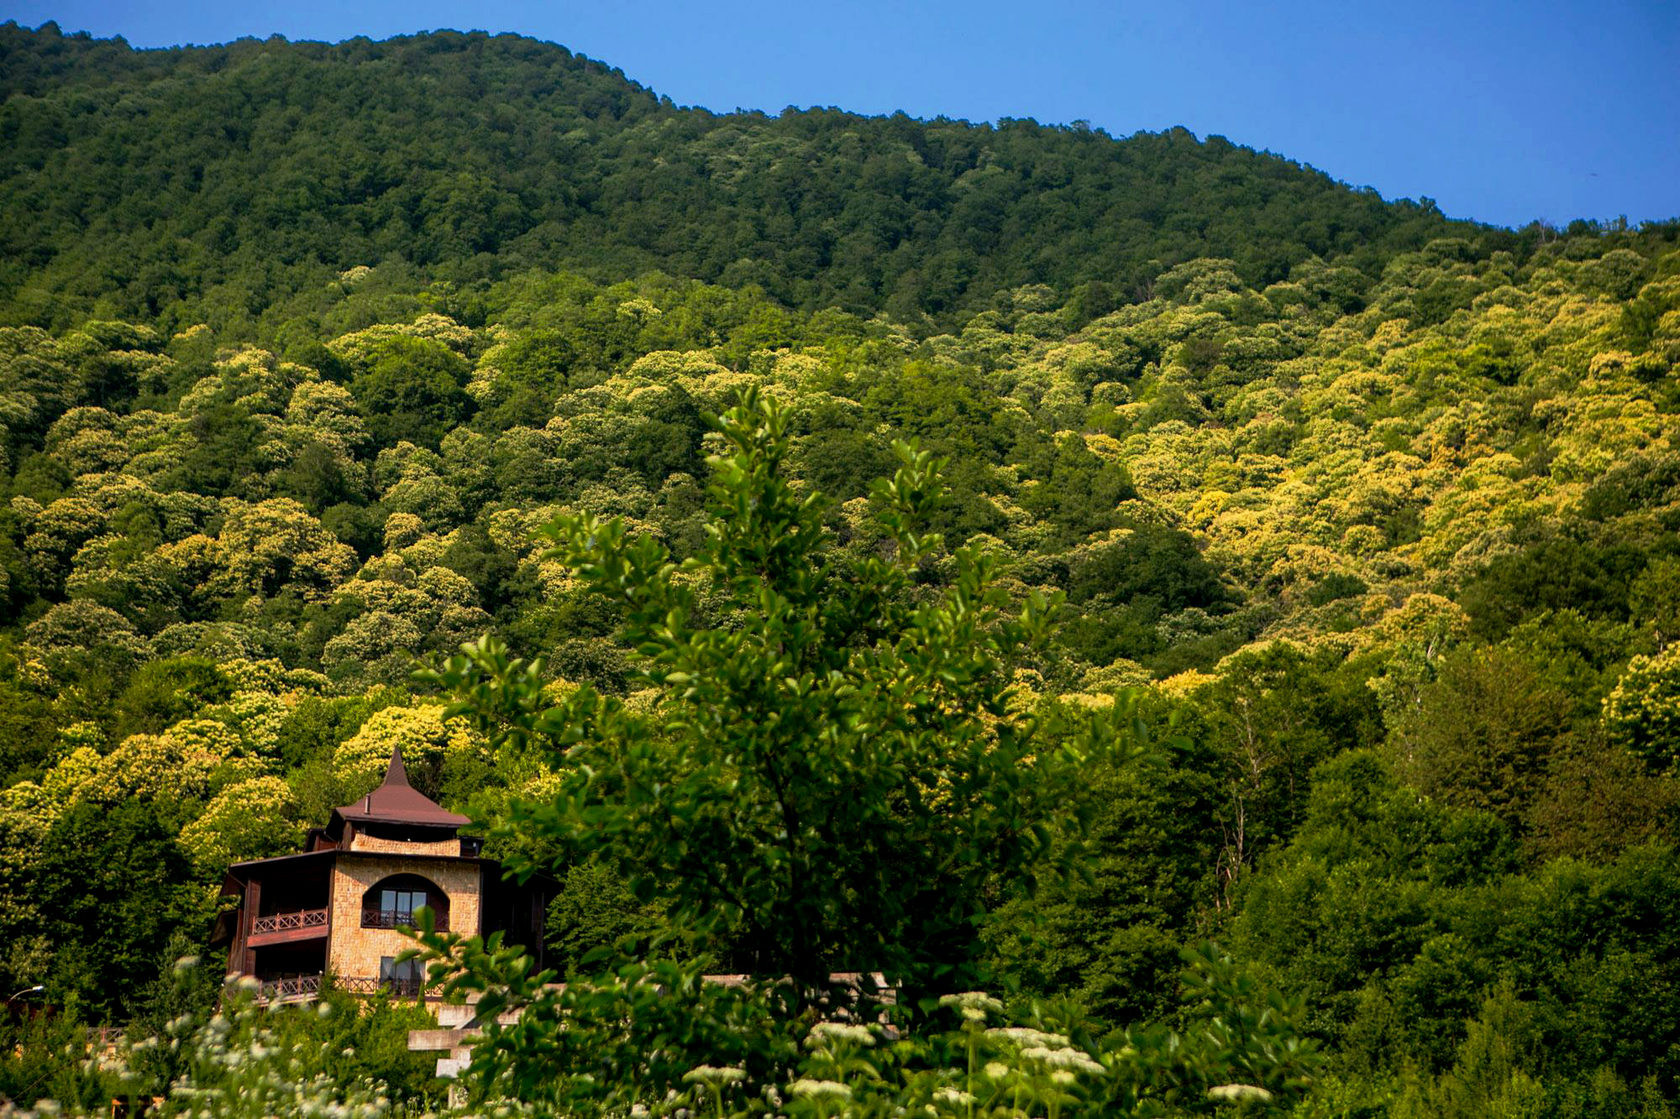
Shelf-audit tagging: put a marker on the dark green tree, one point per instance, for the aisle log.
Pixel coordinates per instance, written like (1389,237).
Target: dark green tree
(411,390)
(832,777)
(110,886)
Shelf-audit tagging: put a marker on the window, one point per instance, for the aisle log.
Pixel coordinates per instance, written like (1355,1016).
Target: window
(401,904)
(391,902)
(401,979)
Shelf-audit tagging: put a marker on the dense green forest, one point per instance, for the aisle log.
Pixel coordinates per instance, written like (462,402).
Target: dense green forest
(228,185)
(1303,569)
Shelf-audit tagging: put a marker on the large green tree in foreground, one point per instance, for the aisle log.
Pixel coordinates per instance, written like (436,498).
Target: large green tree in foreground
(829,771)
(831,775)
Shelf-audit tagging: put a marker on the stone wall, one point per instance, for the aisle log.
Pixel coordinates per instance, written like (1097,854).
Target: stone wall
(355,951)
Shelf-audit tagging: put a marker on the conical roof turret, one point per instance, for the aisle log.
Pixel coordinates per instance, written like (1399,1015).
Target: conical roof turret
(396,801)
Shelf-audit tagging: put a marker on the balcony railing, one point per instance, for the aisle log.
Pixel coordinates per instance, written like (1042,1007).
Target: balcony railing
(287,922)
(397,918)
(308,986)
(292,987)
(399,987)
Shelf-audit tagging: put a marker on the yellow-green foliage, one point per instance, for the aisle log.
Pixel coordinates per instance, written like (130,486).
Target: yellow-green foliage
(426,738)
(1642,712)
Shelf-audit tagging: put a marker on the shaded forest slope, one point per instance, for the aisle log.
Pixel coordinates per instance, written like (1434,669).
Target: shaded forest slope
(212,183)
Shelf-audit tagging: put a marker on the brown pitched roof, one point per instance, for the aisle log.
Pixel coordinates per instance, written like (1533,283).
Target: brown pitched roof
(398,802)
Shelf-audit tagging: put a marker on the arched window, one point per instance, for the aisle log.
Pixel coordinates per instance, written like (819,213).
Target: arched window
(391,902)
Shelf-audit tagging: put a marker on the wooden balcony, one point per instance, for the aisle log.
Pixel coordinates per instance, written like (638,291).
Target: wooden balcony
(402,988)
(283,928)
(292,988)
(400,918)
(299,988)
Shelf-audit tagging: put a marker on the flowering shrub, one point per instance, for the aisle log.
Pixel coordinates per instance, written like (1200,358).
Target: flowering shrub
(242,1060)
(658,1040)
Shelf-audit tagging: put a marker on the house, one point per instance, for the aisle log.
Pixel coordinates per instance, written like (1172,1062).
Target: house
(334,910)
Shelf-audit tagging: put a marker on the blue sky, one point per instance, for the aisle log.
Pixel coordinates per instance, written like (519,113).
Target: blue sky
(1503,112)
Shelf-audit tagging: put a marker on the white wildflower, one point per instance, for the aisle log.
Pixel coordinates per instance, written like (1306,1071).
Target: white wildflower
(824,1034)
(1062,1058)
(1027,1037)
(1238,1093)
(975,1005)
(805,1088)
(712,1074)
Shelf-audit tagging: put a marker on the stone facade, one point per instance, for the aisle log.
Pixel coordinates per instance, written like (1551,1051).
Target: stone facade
(356,952)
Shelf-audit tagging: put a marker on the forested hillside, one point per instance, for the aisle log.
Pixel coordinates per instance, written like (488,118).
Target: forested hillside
(1364,525)
(217,184)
